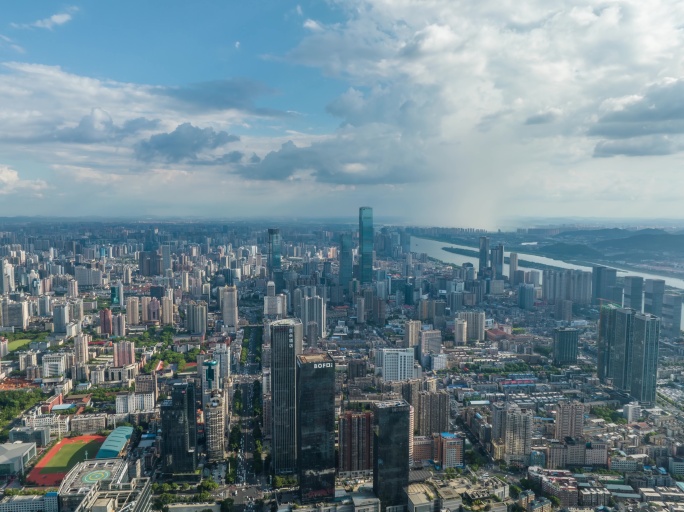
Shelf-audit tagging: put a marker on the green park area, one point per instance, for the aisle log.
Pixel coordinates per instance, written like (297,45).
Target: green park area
(17,344)
(69,454)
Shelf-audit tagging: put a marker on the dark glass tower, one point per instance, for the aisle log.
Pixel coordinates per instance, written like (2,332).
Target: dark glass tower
(274,250)
(644,367)
(484,255)
(634,291)
(602,281)
(391,456)
(497,261)
(615,345)
(565,343)
(366,234)
(653,296)
(179,430)
(286,344)
(316,427)
(346,261)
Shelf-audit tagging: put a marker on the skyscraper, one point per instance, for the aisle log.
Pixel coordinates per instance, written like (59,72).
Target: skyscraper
(565,343)
(602,281)
(518,434)
(81,348)
(484,254)
(512,268)
(230,307)
(274,250)
(615,345)
(346,261)
(366,235)
(286,345)
(215,426)
(634,291)
(132,311)
(179,430)
(434,412)
(124,353)
(412,333)
(671,323)
(391,435)
(497,260)
(106,321)
(316,427)
(313,311)
(654,292)
(644,367)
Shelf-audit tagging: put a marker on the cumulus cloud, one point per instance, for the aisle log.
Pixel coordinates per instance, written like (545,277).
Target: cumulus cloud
(184,143)
(50,22)
(98,127)
(11,183)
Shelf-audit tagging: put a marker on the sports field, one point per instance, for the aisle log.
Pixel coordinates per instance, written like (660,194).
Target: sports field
(17,344)
(54,466)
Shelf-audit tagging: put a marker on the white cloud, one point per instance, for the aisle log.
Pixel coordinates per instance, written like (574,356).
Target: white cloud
(50,22)
(11,183)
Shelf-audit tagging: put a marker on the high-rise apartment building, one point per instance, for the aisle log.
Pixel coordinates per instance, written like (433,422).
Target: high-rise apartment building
(215,426)
(179,430)
(497,261)
(565,343)
(356,444)
(518,434)
(366,236)
(133,311)
(483,262)
(81,355)
(167,311)
(124,353)
(412,333)
(434,410)
(603,279)
(316,427)
(286,345)
(569,420)
(106,321)
(313,311)
(512,268)
(60,317)
(475,324)
(395,363)
(391,435)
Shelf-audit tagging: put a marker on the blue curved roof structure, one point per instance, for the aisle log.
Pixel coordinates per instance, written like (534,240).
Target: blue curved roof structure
(115,442)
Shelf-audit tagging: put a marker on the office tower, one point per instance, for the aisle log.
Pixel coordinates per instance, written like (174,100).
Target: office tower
(449,450)
(274,250)
(54,365)
(60,317)
(430,341)
(484,255)
(119,325)
(179,430)
(633,294)
(526,296)
(167,311)
(166,257)
(360,310)
(72,288)
(215,426)
(518,434)
(565,343)
(316,427)
(229,308)
(602,279)
(124,353)
(132,311)
(395,363)
(569,419)
(366,235)
(412,333)
(117,295)
(346,261)
(644,367)
(391,435)
(106,321)
(434,412)
(210,377)
(671,322)
(475,323)
(222,355)
(497,261)
(512,268)
(286,345)
(615,345)
(654,292)
(356,444)
(460,331)
(498,421)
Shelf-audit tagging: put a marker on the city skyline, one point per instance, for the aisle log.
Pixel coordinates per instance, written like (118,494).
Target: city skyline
(307,107)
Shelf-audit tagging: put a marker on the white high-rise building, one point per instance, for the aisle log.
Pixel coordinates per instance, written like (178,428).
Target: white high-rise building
(81,353)
(133,311)
(167,311)
(230,307)
(475,324)
(54,365)
(395,363)
(412,333)
(72,288)
(518,434)
(313,310)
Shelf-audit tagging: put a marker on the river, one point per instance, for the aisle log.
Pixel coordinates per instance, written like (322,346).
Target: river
(434,249)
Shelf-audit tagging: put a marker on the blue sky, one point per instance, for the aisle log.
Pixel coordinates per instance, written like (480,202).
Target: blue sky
(443,112)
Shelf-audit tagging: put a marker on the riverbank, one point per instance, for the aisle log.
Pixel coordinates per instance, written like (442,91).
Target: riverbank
(521,263)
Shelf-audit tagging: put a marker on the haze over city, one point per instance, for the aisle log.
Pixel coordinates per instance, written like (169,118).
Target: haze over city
(470,112)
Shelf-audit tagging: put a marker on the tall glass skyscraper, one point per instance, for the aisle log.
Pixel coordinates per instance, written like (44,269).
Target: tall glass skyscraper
(316,427)
(392,429)
(346,261)
(644,366)
(179,430)
(565,342)
(274,250)
(484,255)
(603,279)
(366,235)
(286,345)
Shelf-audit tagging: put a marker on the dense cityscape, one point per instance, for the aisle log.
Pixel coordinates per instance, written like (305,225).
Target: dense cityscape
(337,367)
